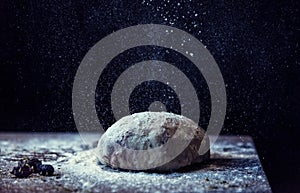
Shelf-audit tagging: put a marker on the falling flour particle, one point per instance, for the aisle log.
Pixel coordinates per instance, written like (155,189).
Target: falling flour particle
(157,141)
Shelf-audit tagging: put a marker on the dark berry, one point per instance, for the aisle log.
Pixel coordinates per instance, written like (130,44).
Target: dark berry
(22,172)
(46,170)
(35,164)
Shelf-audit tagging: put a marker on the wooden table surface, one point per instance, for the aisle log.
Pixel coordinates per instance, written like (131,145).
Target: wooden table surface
(234,167)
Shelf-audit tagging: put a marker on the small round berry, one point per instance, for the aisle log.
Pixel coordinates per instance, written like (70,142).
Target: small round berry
(46,170)
(22,172)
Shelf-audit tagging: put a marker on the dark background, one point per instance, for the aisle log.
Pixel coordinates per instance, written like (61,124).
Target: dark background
(256,45)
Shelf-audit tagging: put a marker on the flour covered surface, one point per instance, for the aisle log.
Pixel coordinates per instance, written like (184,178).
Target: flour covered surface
(156,141)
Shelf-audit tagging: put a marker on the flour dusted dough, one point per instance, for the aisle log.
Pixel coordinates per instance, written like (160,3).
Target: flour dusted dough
(157,141)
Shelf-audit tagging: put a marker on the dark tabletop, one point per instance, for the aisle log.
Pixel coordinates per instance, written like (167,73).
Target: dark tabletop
(234,167)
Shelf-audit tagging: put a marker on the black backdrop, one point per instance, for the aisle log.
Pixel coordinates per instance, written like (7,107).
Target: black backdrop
(256,45)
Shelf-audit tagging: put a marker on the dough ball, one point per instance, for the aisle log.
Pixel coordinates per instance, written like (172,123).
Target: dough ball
(157,141)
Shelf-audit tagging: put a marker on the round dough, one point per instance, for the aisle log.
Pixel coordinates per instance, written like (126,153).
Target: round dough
(152,141)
